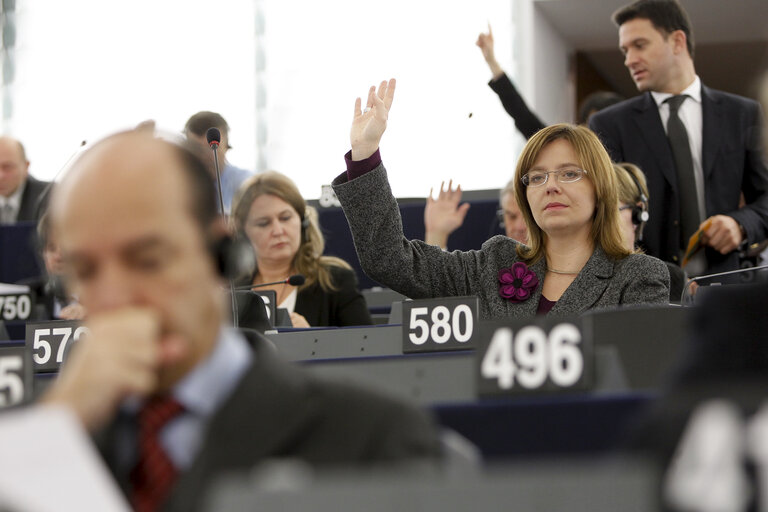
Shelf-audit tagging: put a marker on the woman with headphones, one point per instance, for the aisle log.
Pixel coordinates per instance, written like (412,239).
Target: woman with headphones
(269,211)
(633,206)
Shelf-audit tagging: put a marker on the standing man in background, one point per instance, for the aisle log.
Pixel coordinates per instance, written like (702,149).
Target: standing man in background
(20,193)
(231,176)
(699,148)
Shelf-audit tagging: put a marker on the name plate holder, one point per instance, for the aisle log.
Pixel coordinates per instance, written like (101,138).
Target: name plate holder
(542,355)
(49,343)
(437,325)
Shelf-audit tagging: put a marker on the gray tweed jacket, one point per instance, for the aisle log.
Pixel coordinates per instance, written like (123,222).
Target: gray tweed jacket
(419,270)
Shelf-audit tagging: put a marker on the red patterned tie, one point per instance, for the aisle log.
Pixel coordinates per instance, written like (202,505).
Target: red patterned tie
(154,473)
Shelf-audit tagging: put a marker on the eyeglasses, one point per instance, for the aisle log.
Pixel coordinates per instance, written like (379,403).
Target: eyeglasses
(539,178)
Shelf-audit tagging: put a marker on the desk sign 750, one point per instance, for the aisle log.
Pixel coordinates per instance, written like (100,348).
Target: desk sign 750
(17,306)
(543,356)
(432,325)
(49,342)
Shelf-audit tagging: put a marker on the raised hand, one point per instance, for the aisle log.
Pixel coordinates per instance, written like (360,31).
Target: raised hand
(444,215)
(369,125)
(485,43)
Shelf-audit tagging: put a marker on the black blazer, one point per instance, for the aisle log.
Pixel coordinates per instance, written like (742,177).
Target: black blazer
(632,132)
(526,121)
(31,207)
(344,307)
(280,411)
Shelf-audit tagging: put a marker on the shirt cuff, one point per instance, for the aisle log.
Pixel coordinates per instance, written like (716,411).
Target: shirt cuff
(355,169)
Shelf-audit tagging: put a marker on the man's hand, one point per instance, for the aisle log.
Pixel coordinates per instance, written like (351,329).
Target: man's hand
(485,43)
(119,357)
(369,126)
(724,235)
(73,311)
(444,215)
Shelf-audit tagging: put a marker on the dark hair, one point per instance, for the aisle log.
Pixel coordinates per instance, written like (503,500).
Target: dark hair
(200,122)
(665,15)
(202,194)
(596,102)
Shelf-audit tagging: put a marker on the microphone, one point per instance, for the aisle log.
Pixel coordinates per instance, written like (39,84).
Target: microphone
(213,136)
(294,280)
(689,292)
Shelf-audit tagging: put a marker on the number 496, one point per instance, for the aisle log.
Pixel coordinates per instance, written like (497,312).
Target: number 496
(533,356)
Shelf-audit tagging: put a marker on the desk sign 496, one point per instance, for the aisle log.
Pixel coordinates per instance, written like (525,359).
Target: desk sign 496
(543,356)
(17,306)
(49,342)
(432,325)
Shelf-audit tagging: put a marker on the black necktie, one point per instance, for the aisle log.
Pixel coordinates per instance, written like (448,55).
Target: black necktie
(686,182)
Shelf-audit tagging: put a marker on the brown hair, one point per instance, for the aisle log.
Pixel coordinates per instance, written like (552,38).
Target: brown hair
(309,259)
(606,227)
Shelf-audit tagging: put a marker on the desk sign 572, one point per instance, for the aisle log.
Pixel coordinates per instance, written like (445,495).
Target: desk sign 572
(432,325)
(544,356)
(17,306)
(49,342)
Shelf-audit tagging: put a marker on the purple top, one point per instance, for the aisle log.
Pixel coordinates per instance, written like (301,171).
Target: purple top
(355,169)
(545,305)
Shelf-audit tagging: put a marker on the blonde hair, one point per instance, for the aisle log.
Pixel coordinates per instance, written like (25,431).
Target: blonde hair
(627,187)
(309,259)
(606,228)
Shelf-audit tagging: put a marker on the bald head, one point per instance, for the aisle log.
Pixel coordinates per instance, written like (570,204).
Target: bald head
(127,226)
(14,166)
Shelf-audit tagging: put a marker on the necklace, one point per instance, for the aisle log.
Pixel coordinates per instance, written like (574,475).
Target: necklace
(564,272)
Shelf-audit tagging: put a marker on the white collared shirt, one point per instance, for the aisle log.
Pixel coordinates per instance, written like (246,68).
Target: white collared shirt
(690,113)
(14,200)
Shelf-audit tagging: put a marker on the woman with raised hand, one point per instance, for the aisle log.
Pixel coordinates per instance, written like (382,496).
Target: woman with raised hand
(565,186)
(269,211)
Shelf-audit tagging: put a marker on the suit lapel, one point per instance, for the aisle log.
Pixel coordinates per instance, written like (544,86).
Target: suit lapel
(270,407)
(588,287)
(712,119)
(652,131)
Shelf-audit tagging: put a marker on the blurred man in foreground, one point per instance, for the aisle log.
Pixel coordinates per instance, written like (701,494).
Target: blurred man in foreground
(164,387)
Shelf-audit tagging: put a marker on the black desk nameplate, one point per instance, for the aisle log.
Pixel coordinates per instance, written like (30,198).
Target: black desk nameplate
(542,355)
(16,306)
(49,342)
(15,376)
(436,325)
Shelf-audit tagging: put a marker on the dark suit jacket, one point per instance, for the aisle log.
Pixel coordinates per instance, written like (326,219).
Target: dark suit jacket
(526,121)
(419,270)
(280,411)
(343,307)
(30,208)
(732,162)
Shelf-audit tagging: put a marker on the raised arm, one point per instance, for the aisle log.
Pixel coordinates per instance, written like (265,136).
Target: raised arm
(526,121)
(444,215)
(485,43)
(369,125)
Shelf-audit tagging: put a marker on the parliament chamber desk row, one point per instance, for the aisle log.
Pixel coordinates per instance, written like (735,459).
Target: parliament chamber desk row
(550,386)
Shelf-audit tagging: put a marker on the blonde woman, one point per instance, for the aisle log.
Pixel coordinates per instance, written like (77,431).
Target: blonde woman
(283,230)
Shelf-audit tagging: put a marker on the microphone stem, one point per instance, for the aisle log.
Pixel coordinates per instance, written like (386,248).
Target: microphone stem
(218,177)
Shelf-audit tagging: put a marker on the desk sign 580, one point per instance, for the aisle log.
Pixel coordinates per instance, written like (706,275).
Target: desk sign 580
(49,342)
(544,356)
(432,325)
(17,306)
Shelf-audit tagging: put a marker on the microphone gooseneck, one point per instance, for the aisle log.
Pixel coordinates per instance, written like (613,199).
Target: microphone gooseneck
(294,280)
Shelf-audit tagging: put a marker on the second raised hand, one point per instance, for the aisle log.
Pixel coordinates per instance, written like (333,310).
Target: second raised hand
(369,125)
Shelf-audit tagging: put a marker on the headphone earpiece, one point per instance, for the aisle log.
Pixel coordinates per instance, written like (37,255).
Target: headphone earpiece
(640,213)
(234,257)
(304,223)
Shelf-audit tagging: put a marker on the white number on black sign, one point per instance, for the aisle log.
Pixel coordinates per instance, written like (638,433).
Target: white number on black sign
(532,357)
(15,307)
(44,345)
(11,383)
(444,323)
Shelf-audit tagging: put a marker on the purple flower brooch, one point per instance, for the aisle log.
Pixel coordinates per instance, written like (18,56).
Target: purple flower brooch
(517,282)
